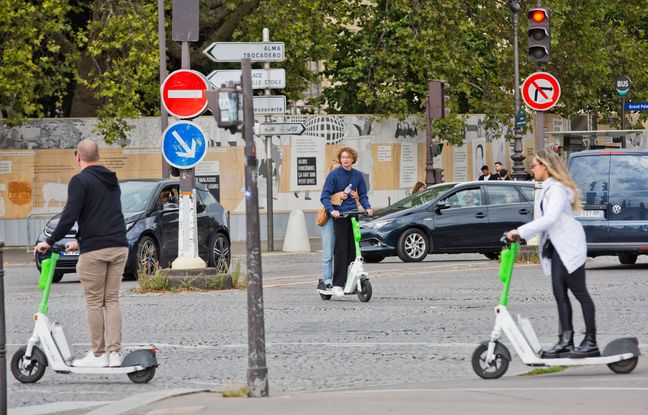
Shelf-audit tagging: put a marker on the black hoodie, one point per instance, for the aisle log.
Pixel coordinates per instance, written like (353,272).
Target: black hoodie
(94,202)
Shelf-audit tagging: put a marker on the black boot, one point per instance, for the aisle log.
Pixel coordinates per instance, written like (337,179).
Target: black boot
(587,348)
(565,345)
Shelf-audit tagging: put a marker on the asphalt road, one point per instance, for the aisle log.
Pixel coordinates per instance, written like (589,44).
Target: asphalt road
(420,327)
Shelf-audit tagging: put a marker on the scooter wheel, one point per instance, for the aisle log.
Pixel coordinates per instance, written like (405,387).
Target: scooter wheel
(32,372)
(624,366)
(325,296)
(142,376)
(484,370)
(364,294)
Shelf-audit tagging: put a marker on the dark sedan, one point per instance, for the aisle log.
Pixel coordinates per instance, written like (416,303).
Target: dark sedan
(448,218)
(151,209)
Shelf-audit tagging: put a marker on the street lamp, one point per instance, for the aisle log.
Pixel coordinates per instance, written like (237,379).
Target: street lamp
(518,153)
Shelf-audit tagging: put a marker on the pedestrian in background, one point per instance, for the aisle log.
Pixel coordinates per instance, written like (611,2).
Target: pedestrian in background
(504,174)
(328,240)
(563,252)
(93,201)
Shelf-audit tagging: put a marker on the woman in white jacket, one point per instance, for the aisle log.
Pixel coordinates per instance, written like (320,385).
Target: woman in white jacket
(563,252)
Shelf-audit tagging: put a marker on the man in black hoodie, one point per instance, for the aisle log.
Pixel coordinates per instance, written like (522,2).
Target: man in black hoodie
(94,202)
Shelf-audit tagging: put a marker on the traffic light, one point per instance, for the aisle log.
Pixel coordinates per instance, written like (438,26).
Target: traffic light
(438,175)
(539,34)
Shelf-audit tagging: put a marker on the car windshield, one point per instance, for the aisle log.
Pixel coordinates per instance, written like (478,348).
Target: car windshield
(423,197)
(135,195)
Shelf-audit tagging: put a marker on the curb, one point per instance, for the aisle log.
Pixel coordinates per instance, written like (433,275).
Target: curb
(139,400)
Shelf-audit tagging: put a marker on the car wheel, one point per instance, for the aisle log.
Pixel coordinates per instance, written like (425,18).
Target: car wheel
(627,259)
(373,259)
(413,246)
(148,259)
(220,253)
(493,256)
(58,276)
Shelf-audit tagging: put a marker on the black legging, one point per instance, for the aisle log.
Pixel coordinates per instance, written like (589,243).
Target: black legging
(562,281)
(344,250)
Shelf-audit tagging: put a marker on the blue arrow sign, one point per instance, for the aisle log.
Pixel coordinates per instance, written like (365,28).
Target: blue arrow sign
(183,145)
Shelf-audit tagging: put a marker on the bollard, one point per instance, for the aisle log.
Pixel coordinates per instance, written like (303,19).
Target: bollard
(3,349)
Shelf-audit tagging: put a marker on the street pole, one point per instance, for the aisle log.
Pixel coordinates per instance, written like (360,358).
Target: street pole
(257,373)
(623,137)
(518,150)
(3,339)
(538,136)
(434,110)
(164,116)
(269,170)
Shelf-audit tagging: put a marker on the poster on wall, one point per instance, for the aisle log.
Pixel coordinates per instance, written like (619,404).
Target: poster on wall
(307,163)
(479,157)
(460,161)
(208,173)
(408,165)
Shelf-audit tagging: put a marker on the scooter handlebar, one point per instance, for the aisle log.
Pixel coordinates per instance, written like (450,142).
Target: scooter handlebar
(352,213)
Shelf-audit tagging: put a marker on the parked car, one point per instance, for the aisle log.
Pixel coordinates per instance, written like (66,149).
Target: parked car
(448,218)
(614,196)
(152,229)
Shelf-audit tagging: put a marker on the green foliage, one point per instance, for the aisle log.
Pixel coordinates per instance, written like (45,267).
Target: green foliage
(33,65)
(122,43)
(155,282)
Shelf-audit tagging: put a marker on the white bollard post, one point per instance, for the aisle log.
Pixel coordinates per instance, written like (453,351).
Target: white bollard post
(296,239)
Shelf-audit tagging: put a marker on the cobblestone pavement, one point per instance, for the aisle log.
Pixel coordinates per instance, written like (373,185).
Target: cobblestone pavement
(421,325)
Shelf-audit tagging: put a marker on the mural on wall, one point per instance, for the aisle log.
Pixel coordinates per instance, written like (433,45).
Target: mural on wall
(38,163)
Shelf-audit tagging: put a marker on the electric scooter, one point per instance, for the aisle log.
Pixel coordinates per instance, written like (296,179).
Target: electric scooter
(48,345)
(491,358)
(357,278)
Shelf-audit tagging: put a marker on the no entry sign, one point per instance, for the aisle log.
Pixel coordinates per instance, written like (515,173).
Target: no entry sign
(541,91)
(182,93)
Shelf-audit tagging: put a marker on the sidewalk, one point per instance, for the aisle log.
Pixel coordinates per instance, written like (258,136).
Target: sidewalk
(592,390)
(24,256)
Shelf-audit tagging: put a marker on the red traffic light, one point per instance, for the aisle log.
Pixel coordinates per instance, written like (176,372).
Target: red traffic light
(538,16)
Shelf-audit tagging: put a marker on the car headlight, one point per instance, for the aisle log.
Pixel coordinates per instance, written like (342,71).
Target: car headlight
(48,230)
(377,224)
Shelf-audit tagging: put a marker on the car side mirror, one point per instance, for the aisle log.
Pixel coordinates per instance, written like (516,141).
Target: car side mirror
(200,207)
(441,206)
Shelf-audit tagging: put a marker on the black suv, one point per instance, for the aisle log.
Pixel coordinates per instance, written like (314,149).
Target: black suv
(614,196)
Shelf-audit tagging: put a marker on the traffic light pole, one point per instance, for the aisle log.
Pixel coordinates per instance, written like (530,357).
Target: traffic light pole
(164,116)
(257,373)
(518,150)
(269,169)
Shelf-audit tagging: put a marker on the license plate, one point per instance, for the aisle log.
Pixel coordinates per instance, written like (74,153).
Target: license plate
(71,253)
(591,214)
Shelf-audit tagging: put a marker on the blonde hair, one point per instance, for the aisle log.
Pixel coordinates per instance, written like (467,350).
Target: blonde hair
(557,169)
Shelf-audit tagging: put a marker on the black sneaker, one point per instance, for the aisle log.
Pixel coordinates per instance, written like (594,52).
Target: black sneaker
(321,285)
(329,287)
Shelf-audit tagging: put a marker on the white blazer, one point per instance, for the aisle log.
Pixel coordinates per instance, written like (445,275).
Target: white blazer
(555,220)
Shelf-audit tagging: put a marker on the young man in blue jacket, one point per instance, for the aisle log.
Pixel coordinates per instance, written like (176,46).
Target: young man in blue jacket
(344,179)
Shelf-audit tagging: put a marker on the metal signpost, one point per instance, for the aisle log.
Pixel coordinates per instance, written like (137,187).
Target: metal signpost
(622,86)
(183,97)
(3,339)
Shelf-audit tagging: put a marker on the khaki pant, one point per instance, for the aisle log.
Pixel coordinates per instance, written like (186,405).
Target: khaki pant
(101,273)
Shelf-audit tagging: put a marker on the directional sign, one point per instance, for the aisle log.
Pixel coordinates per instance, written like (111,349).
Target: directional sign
(541,91)
(622,85)
(183,144)
(269,104)
(255,51)
(182,93)
(288,128)
(261,78)
(636,106)
(520,119)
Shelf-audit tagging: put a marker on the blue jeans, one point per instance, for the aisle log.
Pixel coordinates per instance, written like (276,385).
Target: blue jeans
(328,242)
